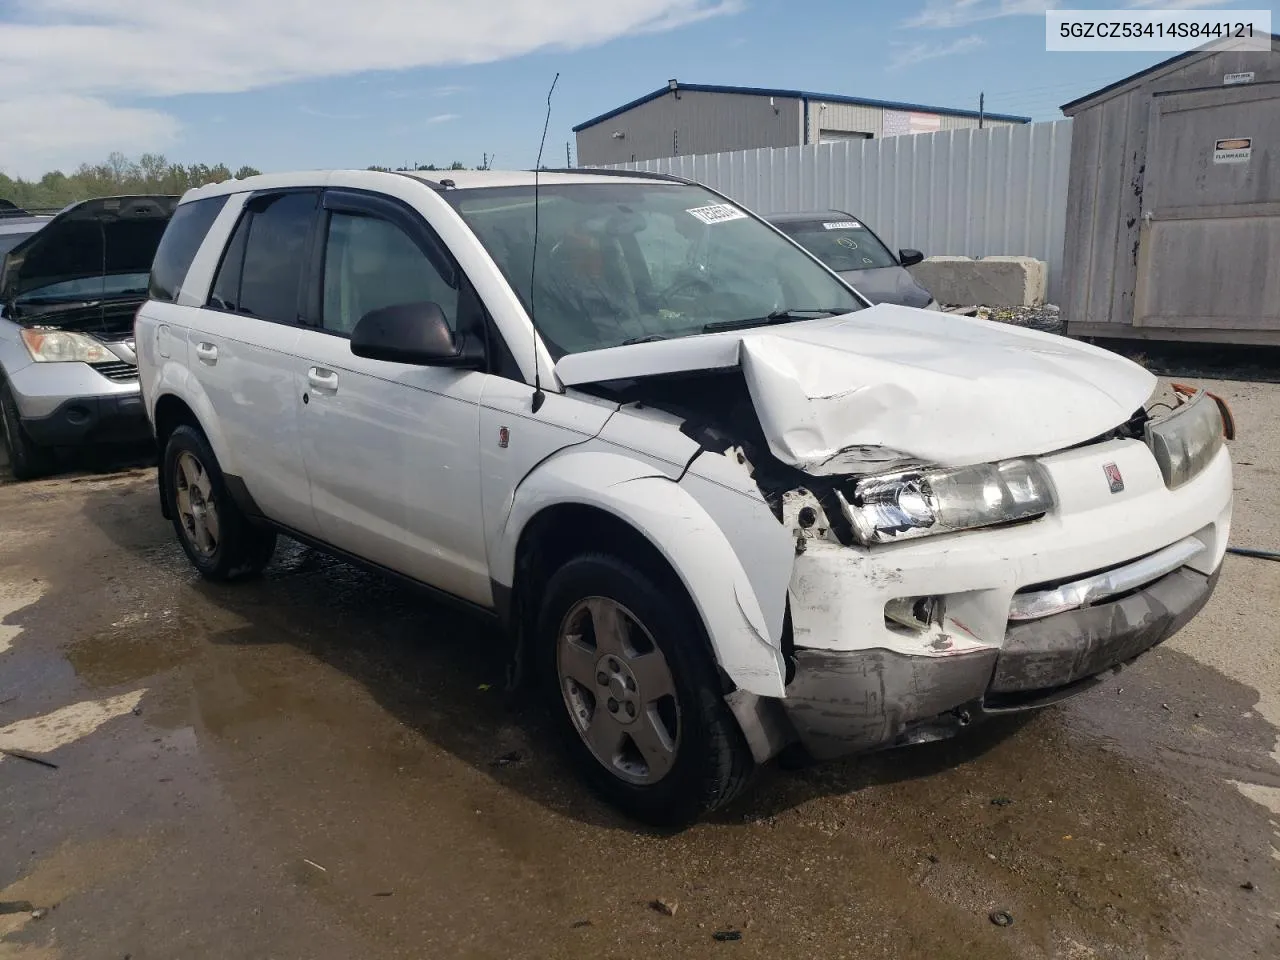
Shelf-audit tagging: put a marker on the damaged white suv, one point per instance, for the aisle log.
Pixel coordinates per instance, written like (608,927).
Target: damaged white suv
(722,505)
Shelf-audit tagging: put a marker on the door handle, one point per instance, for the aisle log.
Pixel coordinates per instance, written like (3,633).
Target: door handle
(207,353)
(322,379)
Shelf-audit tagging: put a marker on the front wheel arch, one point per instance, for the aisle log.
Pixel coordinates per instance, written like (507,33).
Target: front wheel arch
(559,533)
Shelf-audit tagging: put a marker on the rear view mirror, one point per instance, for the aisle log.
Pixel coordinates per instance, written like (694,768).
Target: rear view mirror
(908,257)
(414,333)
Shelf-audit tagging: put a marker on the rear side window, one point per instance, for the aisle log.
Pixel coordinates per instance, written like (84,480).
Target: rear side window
(262,268)
(182,238)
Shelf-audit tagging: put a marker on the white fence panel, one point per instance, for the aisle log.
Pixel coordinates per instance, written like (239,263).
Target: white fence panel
(970,193)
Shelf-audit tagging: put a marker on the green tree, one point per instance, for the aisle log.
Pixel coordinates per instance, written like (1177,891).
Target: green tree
(150,173)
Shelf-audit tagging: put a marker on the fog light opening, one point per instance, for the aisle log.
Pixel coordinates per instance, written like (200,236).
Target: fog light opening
(914,613)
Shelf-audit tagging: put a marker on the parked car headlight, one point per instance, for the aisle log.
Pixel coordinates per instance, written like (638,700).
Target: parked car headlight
(916,503)
(62,346)
(1186,440)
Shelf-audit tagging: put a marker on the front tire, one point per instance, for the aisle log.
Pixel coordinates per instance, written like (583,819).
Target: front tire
(216,536)
(627,671)
(27,460)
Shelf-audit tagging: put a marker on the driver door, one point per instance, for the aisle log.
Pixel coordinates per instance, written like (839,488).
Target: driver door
(391,449)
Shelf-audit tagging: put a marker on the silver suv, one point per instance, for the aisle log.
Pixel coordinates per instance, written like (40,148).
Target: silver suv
(69,289)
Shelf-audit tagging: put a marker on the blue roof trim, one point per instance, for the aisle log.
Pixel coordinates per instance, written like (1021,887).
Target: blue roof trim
(798,95)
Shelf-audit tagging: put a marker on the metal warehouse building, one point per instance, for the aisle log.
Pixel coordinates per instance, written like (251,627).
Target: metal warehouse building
(685,119)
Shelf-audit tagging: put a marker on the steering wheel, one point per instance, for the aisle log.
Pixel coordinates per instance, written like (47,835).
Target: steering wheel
(688,280)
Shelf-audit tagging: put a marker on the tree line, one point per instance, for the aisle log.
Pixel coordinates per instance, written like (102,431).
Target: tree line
(118,174)
(149,173)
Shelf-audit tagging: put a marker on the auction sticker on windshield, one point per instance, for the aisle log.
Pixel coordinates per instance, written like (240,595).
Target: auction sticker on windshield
(717,213)
(842,225)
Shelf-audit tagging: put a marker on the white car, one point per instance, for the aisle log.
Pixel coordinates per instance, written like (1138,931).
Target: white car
(722,505)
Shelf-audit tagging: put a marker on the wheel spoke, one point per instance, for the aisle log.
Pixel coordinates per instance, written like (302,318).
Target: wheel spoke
(655,745)
(201,481)
(609,625)
(200,534)
(184,501)
(603,734)
(578,662)
(211,522)
(652,676)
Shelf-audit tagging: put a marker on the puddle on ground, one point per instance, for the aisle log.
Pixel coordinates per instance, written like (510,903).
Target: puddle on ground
(321,737)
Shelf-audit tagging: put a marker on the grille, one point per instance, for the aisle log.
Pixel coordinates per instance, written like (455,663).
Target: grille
(117,370)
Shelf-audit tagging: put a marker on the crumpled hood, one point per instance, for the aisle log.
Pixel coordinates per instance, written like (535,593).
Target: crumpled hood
(888,385)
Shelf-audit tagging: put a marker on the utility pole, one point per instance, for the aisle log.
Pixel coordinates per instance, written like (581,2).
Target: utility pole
(982,108)
(568,161)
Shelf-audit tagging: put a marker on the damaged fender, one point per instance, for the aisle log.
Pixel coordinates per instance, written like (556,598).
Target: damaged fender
(688,538)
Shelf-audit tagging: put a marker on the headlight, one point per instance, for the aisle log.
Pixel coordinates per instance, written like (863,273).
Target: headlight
(1186,440)
(62,346)
(916,503)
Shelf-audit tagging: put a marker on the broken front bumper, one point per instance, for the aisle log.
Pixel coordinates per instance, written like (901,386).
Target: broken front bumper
(842,702)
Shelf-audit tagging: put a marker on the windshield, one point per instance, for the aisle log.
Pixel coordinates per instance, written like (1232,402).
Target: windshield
(623,262)
(839,242)
(86,288)
(10,240)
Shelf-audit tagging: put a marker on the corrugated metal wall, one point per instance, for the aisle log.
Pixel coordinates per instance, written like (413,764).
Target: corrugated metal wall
(973,193)
(843,116)
(697,122)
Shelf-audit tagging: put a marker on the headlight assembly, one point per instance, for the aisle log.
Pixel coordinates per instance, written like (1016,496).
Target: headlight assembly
(916,503)
(1184,441)
(63,346)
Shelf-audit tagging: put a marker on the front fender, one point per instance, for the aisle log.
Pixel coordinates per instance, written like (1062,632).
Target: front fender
(681,530)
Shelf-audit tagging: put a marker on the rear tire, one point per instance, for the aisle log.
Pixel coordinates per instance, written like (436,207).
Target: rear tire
(27,460)
(218,539)
(627,671)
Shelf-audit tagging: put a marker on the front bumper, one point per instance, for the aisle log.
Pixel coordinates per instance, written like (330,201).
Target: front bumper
(842,702)
(116,418)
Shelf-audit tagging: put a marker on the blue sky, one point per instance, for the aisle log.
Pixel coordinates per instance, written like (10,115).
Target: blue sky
(295,88)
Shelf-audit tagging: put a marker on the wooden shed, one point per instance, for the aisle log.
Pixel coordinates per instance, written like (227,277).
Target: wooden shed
(1173,202)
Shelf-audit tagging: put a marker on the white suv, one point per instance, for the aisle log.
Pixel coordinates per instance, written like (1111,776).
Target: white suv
(722,505)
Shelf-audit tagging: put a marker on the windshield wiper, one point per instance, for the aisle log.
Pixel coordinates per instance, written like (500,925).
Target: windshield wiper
(647,338)
(778,316)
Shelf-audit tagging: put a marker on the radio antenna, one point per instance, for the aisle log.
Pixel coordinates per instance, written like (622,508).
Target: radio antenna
(538,396)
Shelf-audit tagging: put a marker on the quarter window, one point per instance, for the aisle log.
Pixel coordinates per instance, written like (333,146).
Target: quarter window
(178,247)
(370,263)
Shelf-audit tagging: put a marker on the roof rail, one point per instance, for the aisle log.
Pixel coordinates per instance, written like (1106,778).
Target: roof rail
(636,174)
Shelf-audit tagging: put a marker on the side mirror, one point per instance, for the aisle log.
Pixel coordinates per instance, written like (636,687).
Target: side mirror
(414,333)
(909,258)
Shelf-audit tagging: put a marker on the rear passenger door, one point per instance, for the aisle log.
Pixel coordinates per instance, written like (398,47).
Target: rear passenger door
(390,448)
(242,350)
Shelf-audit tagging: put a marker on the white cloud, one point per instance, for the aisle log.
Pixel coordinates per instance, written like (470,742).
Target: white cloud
(44,131)
(442,118)
(110,51)
(906,54)
(945,14)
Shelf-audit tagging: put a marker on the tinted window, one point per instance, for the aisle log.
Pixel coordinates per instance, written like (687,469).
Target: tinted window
(182,238)
(274,255)
(225,294)
(840,243)
(628,261)
(371,263)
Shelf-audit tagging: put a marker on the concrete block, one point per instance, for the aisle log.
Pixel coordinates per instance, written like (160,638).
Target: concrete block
(989,281)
